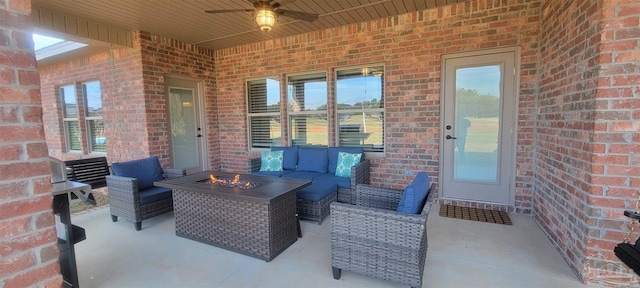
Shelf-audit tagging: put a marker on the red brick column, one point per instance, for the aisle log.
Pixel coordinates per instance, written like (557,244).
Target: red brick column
(587,133)
(28,253)
(615,181)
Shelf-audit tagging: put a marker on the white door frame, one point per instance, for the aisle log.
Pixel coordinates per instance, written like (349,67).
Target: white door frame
(514,125)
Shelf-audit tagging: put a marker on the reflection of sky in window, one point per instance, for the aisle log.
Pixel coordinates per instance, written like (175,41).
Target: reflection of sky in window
(94,95)
(360,89)
(69,94)
(485,79)
(315,95)
(273,91)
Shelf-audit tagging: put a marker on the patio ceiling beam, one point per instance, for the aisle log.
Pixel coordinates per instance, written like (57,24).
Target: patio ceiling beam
(75,27)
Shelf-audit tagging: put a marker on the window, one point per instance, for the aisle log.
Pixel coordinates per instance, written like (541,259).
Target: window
(93,116)
(307,105)
(360,107)
(88,112)
(263,98)
(70,117)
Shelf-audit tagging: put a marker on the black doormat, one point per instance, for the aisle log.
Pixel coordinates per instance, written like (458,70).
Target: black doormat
(475,214)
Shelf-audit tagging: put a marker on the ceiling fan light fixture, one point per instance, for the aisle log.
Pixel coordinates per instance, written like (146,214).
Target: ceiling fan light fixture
(265,19)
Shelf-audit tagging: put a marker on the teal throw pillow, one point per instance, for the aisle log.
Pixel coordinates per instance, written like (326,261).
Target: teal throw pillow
(345,162)
(271,161)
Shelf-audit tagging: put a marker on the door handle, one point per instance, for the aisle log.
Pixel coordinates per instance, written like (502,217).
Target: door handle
(199,135)
(450,137)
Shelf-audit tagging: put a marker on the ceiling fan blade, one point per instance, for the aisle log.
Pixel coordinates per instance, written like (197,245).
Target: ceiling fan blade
(298,15)
(283,2)
(228,11)
(260,2)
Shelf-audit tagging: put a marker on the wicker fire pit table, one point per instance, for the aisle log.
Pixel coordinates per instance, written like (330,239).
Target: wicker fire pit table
(255,216)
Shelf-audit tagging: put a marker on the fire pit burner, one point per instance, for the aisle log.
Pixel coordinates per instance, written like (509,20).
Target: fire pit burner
(231,183)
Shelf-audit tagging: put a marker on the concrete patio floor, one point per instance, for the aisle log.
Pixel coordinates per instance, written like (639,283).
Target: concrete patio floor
(460,254)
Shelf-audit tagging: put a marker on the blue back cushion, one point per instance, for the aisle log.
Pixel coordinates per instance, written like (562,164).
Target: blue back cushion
(414,195)
(290,156)
(312,160)
(146,170)
(333,156)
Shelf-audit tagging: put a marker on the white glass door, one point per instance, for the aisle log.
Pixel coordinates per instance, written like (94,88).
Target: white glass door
(187,134)
(479,103)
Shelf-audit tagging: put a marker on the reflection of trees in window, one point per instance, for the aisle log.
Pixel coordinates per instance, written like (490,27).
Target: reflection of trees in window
(360,107)
(307,104)
(472,104)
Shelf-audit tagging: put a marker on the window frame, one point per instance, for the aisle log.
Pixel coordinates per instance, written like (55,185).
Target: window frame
(88,119)
(66,121)
(250,115)
(291,114)
(337,111)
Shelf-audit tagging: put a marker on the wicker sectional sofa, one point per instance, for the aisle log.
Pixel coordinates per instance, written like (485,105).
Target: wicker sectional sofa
(297,162)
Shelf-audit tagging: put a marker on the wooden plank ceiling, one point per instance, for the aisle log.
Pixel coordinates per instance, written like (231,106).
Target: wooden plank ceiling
(186,20)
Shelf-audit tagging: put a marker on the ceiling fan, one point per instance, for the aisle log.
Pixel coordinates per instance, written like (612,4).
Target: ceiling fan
(265,12)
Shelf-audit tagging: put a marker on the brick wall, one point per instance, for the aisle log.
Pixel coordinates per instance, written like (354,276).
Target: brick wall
(587,127)
(163,56)
(29,255)
(118,71)
(410,47)
(132,83)
(615,182)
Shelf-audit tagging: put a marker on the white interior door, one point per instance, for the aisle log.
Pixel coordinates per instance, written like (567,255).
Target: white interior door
(478,131)
(187,131)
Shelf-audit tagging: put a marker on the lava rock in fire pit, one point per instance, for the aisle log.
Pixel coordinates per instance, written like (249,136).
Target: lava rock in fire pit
(231,183)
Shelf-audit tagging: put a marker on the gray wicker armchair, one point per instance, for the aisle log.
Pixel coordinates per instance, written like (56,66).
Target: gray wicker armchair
(371,238)
(125,198)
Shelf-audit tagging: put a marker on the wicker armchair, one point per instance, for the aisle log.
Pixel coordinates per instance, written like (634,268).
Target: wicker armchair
(371,238)
(124,199)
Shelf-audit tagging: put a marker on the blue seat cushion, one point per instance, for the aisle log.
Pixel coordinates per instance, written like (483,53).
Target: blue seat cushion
(415,195)
(317,191)
(290,156)
(154,194)
(303,175)
(312,160)
(146,170)
(272,173)
(342,182)
(333,156)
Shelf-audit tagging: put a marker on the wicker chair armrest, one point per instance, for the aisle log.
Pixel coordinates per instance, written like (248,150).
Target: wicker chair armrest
(360,173)
(254,164)
(427,205)
(377,197)
(170,173)
(122,186)
(390,227)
